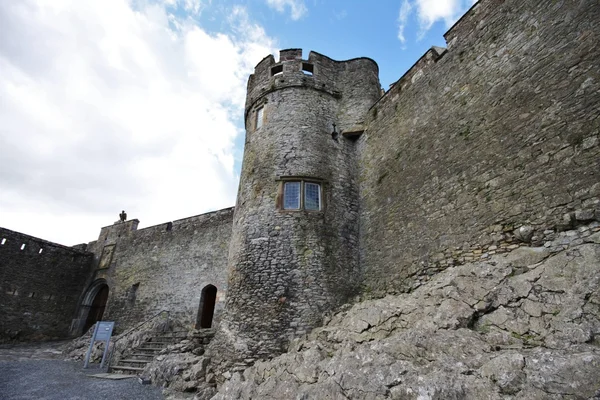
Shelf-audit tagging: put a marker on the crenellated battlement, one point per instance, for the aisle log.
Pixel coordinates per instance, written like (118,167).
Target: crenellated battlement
(342,80)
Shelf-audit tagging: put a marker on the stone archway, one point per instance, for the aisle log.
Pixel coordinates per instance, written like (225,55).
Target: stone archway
(96,310)
(206,309)
(92,306)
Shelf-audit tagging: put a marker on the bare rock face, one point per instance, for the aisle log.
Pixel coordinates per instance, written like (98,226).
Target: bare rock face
(183,372)
(525,325)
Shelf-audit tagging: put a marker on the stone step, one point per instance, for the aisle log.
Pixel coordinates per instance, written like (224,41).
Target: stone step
(147,352)
(149,355)
(151,352)
(151,349)
(171,337)
(133,361)
(182,333)
(134,370)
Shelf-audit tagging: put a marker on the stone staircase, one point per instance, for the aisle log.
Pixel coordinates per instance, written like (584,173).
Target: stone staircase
(134,361)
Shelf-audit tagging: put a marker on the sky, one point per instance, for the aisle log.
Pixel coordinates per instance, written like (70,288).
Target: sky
(137,105)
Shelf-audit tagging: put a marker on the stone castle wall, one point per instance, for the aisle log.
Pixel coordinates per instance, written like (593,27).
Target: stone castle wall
(40,284)
(164,267)
(501,130)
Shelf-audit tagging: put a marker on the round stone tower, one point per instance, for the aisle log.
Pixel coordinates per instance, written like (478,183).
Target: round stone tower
(294,249)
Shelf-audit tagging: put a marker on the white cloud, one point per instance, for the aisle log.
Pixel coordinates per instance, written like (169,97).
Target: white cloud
(428,12)
(431,11)
(403,14)
(117,105)
(297,7)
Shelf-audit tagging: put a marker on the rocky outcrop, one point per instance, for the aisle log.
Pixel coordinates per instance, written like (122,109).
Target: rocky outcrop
(522,325)
(183,367)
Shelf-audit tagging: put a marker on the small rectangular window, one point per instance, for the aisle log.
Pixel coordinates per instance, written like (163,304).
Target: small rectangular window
(259,117)
(312,196)
(291,196)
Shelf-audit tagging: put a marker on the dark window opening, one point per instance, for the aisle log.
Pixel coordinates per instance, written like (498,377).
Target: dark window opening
(132,293)
(276,70)
(308,69)
(169,226)
(206,310)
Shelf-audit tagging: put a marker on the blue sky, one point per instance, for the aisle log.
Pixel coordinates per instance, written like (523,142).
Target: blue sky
(138,104)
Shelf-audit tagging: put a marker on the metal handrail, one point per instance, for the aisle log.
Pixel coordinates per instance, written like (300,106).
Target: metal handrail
(110,358)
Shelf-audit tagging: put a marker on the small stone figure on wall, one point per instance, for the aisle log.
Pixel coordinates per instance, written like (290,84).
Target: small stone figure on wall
(123,216)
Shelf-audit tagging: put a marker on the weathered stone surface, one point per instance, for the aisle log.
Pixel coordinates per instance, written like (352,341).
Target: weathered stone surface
(170,268)
(483,330)
(181,372)
(499,130)
(40,283)
(524,233)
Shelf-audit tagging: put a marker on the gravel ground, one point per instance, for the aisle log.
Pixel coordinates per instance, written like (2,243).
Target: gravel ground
(66,380)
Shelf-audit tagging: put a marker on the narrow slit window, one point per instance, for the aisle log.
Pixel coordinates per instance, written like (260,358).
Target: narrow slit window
(312,196)
(308,69)
(259,117)
(291,196)
(23,246)
(132,294)
(3,241)
(41,251)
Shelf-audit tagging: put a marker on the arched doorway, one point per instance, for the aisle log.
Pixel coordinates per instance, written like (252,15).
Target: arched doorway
(94,304)
(206,310)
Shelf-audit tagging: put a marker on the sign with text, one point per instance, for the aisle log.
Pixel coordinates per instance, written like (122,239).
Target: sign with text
(102,333)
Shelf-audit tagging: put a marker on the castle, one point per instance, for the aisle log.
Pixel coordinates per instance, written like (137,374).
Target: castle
(481,147)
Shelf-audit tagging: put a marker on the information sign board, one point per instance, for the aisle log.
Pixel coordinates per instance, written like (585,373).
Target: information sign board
(102,333)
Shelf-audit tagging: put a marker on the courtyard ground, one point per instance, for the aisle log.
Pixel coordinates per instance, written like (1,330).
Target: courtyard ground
(37,371)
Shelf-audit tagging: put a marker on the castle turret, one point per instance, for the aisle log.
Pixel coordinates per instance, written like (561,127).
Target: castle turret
(294,249)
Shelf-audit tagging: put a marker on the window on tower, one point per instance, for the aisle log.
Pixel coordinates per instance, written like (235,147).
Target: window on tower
(259,117)
(300,195)
(312,196)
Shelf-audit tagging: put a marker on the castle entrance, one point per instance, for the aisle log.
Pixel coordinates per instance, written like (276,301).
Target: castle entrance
(206,310)
(97,307)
